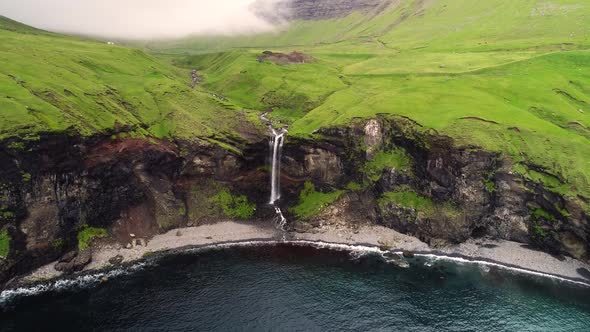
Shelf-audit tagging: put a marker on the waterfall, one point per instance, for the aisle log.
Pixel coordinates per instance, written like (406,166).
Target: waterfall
(276,145)
(281,221)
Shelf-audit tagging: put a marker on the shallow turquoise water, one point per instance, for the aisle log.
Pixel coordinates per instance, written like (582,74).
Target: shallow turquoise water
(292,288)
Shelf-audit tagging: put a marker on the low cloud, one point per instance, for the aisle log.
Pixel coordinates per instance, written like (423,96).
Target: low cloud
(139,19)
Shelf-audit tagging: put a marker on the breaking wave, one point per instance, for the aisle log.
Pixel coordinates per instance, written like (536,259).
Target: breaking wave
(355,252)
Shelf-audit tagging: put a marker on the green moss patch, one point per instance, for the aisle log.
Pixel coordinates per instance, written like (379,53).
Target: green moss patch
(6,216)
(539,231)
(354,186)
(547,180)
(311,201)
(540,214)
(408,199)
(4,244)
(234,206)
(396,158)
(87,234)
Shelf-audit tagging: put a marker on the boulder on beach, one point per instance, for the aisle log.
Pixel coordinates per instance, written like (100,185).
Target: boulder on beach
(74,261)
(408,254)
(116,260)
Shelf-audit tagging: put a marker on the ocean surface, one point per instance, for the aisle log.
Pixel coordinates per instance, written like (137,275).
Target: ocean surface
(298,288)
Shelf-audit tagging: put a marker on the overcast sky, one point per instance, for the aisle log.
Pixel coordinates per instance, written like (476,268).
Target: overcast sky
(145,19)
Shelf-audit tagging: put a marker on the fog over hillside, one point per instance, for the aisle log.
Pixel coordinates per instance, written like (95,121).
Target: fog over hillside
(138,19)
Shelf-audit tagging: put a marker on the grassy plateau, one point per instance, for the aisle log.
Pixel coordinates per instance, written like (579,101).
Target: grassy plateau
(506,76)
(54,83)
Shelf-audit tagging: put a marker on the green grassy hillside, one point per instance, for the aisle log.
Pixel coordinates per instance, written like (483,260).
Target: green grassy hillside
(12,25)
(53,83)
(508,76)
(431,24)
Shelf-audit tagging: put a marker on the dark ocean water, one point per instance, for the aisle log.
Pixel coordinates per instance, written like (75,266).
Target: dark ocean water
(291,288)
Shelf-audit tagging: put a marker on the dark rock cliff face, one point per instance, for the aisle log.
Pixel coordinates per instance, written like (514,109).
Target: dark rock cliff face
(52,188)
(60,184)
(313,9)
(473,192)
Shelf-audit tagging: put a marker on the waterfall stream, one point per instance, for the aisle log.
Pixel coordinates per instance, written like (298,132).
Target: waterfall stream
(276,146)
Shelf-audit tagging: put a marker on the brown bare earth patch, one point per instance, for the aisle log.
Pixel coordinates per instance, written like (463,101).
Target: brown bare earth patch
(109,150)
(285,59)
(137,222)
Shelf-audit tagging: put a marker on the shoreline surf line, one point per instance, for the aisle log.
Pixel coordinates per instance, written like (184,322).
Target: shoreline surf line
(92,277)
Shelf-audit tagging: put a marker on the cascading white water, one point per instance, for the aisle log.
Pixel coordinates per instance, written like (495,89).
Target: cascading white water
(276,145)
(281,221)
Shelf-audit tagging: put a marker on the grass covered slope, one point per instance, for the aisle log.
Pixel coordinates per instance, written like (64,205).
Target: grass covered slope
(289,90)
(12,25)
(53,83)
(536,111)
(507,76)
(418,24)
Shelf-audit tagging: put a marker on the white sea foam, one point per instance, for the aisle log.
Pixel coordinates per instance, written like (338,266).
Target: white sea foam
(82,281)
(435,257)
(356,251)
(518,270)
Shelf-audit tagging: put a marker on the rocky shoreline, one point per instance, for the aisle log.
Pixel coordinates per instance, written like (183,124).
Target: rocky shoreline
(387,171)
(506,254)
